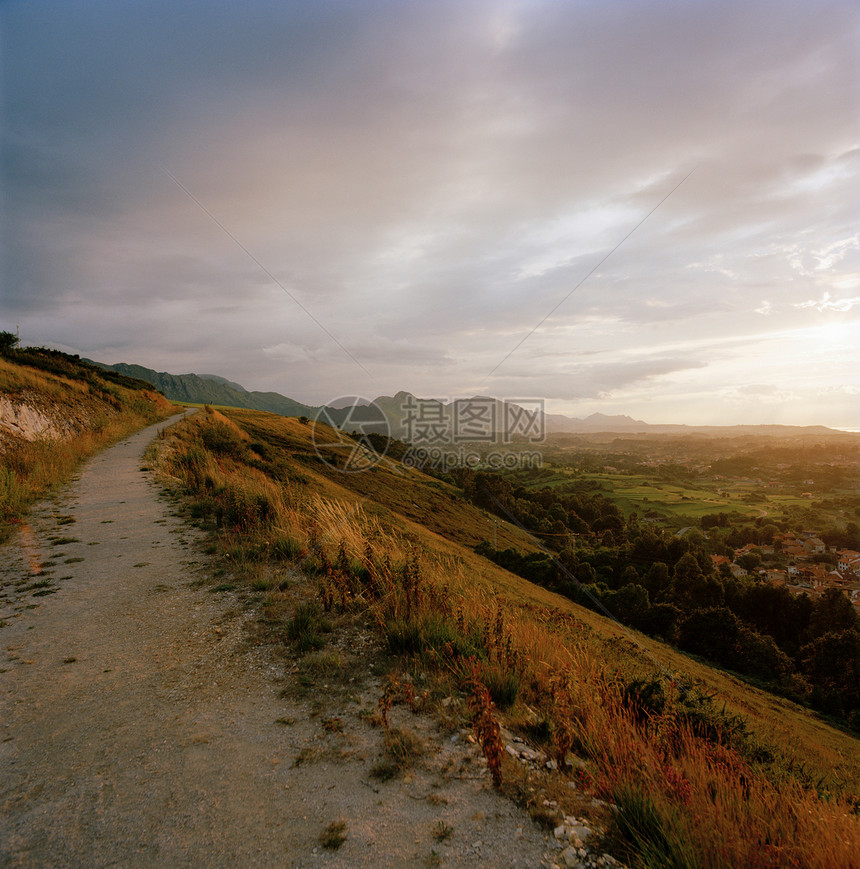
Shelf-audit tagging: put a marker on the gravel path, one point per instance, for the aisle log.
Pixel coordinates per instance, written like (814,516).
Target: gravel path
(139,726)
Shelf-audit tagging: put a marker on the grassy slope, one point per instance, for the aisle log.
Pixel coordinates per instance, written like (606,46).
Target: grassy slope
(95,409)
(434,513)
(691,786)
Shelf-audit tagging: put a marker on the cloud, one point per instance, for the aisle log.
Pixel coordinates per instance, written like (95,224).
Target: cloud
(758,389)
(825,303)
(429,179)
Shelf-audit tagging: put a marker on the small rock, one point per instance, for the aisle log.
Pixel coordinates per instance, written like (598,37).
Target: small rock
(511,751)
(560,832)
(569,858)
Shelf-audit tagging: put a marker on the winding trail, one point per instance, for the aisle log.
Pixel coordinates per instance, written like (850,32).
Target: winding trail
(140,727)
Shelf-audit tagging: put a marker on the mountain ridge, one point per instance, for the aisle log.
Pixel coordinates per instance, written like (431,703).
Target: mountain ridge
(215,389)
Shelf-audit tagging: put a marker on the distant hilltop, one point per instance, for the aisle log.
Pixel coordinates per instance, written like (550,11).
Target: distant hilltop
(403,409)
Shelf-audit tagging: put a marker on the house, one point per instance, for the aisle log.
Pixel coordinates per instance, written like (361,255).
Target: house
(848,559)
(775,577)
(815,545)
(737,570)
(813,576)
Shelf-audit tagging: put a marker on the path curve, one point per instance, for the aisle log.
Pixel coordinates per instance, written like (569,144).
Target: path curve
(138,727)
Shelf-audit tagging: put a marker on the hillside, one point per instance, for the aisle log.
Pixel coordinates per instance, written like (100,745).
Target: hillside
(212,389)
(55,410)
(704,770)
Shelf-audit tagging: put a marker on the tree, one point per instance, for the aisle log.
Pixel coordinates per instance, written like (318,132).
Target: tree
(832,665)
(749,561)
(832,612)
(629,604)
(691,588)
(8,343)
(759,655)
(657,581)
(712,633)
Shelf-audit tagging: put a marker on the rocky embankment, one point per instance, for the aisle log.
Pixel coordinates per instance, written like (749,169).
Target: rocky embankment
(32,415)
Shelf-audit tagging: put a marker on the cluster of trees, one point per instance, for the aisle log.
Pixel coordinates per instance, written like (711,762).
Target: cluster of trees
(667,586)
(549,512)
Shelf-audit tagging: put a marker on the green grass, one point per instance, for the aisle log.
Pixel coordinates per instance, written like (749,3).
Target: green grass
(307,627)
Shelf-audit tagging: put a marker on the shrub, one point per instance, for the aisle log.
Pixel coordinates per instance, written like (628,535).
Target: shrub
(503,685)
(220,439)
(8,343)
(431,632)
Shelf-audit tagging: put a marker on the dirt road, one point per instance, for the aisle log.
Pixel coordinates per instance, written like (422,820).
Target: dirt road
(140,727)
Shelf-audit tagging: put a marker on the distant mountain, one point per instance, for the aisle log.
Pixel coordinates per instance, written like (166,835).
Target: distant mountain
(211,389)
(429,420)
(595,422)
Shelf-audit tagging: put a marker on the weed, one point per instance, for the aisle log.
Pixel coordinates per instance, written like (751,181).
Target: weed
(442,831)
(384,770)
(544,816)
(306,627)
(487,730)
(645,834)
(334,835)
(224,586)
(502,684)
(402,749)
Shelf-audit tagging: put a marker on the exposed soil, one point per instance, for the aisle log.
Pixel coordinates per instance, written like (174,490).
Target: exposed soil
(142,725)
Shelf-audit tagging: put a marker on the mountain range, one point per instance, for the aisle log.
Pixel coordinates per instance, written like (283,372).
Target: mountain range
(407,416)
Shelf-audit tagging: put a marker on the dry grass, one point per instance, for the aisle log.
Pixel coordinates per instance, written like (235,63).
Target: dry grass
(694,784)
(96,416)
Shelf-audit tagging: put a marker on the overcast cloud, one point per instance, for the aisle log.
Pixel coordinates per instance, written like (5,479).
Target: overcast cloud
(426,180)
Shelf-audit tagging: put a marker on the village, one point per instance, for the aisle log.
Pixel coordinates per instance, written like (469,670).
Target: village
(799,562)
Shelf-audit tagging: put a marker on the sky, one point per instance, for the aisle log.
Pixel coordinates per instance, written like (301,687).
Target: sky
(624,206)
